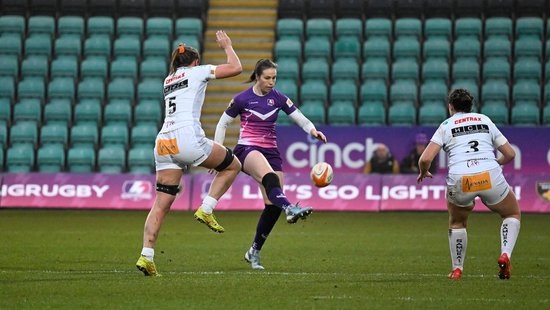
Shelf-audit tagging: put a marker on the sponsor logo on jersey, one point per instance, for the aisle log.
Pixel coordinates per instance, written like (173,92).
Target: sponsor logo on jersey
(470,129)
(171,79)
(468,119)
(543,189)
(270,102)
(476,182)
(172,88)
(136,190)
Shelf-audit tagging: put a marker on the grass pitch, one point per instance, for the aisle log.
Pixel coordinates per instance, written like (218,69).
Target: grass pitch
(86,260)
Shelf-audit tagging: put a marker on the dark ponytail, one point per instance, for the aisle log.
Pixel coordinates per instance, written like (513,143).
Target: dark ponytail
(183,56)
(261,65)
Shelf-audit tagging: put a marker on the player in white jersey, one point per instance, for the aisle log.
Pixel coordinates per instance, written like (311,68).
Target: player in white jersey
(470,140)
(181,142)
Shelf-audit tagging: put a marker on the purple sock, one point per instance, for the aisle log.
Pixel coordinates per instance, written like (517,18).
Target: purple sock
(278,198)
(267,220)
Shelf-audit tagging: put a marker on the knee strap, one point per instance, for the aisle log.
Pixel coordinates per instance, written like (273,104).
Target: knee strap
(226,161)
(270,181)
(168,189)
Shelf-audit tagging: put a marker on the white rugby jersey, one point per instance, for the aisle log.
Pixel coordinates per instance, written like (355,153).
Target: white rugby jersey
(184,96)
(470,140)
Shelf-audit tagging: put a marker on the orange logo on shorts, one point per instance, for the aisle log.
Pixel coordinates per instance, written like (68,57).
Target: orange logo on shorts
(476,182)
(167,147)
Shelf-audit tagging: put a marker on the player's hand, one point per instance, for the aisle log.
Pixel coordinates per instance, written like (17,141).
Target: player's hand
(423,175)
(223,39)
(318,135)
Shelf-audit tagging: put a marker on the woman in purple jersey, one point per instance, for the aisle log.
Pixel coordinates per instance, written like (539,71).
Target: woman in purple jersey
(258,108)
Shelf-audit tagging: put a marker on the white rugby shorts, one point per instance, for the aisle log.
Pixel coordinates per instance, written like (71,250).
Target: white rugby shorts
(490,186)
(179,148)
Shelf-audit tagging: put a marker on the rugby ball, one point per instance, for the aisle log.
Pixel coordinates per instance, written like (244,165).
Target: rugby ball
(321,174)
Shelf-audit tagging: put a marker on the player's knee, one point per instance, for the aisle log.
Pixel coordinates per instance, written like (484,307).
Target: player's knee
(168,189)
(270,181)
(228,160)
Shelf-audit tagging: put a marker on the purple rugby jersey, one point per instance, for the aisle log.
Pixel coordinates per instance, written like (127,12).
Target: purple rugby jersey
(259,115)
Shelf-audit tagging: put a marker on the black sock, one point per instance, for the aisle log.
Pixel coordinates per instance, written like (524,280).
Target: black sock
(269,217)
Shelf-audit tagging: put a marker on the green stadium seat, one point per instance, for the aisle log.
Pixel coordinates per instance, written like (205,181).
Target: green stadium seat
(437,48)
(7,87)
(468,27)
(28,110)
(70,25)
(497,113)
(143,136)
(341,113)
(98,45)
(497,47)
(121,88)
(343,90)
(378,27)
(95,67)
(159,26)
(467,47)
(373,91)
(189,26)
(141,161)
(62,87)
(526,90)
(125,67)
(54,134)
(406,48)
(101,25)
(319,27)
(525,115)
(149,89)
(127,46)
(68,46)
(58,112)
(546,98)
(148,112)
(315,69)
(432,115)
(288,49)
(153,67)
(528,69)
(41,24)
(530,27)
(546,116)
(81,159)
(438,27)
(284,120)
(403,90)
(314,111)
(50,159)
(314,90)
(290,29)
(91,87)
(495,90)
(64,66)
(288,69)
(528,47)
(375,70)
(465,68)
(111,160)
(114,135)
(470,85)
(88,111)
(318,47)
(349,27)
(12,24)
(347,47)
(129,26)
(408,27)
(31,87)
(3,141)
(19,159)
(24,133)
(345,69)
(402,115)
(38,44)
(157,46)
(433,92)
(496,69)
(498,26)
(188,41)
(378,48)
(35,66)
(372,114)
(5,111)
(9,65)
(289,88)
(84,136)
(404,69)
(117,112)
(11,45)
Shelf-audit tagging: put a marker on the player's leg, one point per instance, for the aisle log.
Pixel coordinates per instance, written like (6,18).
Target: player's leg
(458,237)
(168,185)
(227,166)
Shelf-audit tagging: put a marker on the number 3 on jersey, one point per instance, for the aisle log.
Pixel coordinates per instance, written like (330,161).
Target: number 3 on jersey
(171,105)
(473,145)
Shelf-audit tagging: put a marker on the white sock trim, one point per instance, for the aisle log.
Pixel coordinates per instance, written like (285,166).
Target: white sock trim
(208,204)
(148,253)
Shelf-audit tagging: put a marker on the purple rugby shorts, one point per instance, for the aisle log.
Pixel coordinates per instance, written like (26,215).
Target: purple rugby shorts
(271,154)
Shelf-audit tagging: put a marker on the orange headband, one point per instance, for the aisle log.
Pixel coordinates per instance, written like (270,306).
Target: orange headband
(181,48)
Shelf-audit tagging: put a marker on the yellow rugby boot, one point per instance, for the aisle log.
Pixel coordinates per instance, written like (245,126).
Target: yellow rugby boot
(209,220)
(147,267)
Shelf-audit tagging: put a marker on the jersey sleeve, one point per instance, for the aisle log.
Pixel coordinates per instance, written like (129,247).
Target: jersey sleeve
(207,72)
(234,108)
(439,136)
(288,106)
(497,137)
